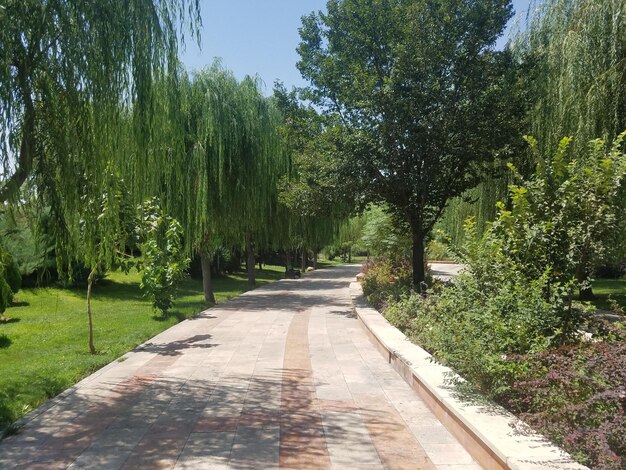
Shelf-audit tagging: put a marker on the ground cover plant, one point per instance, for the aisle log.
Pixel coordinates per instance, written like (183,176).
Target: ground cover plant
(577,395)
(42,339)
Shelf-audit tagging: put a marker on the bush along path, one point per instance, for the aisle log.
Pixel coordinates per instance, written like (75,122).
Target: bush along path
(493,329)
(574,394)
(510,323)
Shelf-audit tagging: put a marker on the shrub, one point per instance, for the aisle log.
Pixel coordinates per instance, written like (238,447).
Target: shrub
(566,215)
(10,279)
(576,395)
(474,326)
(163,261)
(493,310)
(6,295)
(437,251)
(610,270)
(386,283)
(382,238)
(13,276)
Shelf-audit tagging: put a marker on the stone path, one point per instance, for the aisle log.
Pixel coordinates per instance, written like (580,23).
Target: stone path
(281,377)
(445,271)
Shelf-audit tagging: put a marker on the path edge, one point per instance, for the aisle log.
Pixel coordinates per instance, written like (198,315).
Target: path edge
(17,426)
(488,432)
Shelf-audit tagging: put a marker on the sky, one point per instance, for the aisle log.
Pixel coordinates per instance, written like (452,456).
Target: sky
(260,37)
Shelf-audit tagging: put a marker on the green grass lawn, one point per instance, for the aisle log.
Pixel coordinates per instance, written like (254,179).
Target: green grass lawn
(43,342)
(324,262)
(603,288)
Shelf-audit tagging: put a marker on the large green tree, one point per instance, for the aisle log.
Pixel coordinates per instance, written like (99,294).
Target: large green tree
(421,93)
(225,184)
(78,87)
(67,69)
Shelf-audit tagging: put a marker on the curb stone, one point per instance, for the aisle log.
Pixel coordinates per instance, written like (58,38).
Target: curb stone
(493,436)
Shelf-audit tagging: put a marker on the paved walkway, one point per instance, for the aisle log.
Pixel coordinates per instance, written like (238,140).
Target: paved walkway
(445,271)
(282,376)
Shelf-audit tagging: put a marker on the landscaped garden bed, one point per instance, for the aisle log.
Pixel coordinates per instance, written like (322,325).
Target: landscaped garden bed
(492,331)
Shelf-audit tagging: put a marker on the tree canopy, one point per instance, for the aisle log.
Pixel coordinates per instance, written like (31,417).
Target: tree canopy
(223,176)
(576,56)
(420,92)
(76,87)
(312,194)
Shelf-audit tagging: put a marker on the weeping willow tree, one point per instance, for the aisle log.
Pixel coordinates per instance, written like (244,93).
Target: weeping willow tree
(350,236)
(478,203)
(573,55)
(77,94)
(308,234)
(577,53)
(225,185)
(66,71)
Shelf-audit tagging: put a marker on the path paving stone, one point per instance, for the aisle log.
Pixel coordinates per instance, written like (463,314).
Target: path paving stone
(281,377)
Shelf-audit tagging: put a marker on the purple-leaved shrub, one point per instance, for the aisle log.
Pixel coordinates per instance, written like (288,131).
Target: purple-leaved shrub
(577,396)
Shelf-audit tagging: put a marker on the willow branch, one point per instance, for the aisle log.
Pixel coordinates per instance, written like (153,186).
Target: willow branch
(26,155)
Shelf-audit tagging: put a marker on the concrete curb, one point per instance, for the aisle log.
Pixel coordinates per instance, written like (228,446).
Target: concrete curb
(492,435)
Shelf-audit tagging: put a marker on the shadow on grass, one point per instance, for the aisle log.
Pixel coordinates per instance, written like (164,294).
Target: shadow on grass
(180,316)
(110,289)
(5,341)
(15,399)
(231,285)
(107,289)
(6,321)
(20,304)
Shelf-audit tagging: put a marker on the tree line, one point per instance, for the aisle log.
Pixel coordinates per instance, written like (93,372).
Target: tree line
(115,148)
(430,113)
(410,107)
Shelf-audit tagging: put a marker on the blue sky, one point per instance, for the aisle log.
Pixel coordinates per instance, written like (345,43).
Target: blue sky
(258,37)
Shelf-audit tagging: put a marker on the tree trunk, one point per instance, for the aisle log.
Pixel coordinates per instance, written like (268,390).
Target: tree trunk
(251,263)
(419,273)
(26,156)
(314,259)
(207,285)
(304,253)
(586,293)
(350,255)
(92,274)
